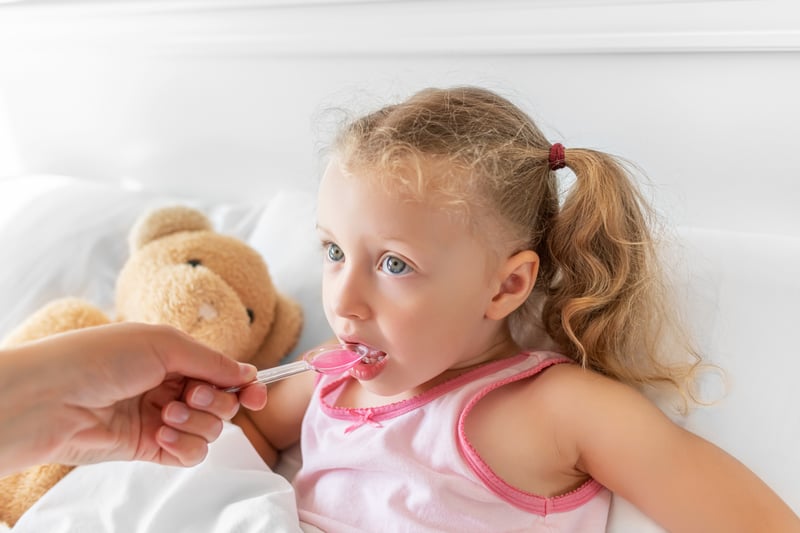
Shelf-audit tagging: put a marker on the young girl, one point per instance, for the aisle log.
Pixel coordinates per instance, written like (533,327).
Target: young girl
(446,247)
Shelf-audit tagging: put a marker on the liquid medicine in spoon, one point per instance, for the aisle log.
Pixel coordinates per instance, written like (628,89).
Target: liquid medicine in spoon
(331,359)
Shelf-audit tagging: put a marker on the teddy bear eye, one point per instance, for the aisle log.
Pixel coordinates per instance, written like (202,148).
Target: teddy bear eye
(193,262)
(251,314)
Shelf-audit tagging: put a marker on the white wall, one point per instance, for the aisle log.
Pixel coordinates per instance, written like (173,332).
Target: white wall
(225,96)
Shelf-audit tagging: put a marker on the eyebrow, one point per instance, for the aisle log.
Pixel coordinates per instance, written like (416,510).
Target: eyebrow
(389,238)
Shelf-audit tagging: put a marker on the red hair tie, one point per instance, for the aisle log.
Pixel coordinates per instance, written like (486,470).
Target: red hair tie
(557,156)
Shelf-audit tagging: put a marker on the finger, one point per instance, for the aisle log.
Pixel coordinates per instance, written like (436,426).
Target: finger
(217,402)
(179,416)
(181,449)
(254,397)
(182,354)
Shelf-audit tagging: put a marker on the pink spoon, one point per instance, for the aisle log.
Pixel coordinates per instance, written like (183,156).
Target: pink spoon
(331,359)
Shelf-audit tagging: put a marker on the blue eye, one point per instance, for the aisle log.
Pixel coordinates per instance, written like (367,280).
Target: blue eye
(335,253)
(395,266)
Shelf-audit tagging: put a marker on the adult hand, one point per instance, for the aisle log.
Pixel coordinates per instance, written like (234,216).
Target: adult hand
(123,391)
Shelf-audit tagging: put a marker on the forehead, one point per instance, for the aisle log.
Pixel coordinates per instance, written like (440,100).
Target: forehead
(356,209)
(435,184)
(433,189)
(361,199)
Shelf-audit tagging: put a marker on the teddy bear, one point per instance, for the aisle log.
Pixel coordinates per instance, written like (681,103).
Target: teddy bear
(182,273)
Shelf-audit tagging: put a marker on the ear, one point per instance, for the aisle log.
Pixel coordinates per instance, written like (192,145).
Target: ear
(283,335)
(165,221)
(516,277)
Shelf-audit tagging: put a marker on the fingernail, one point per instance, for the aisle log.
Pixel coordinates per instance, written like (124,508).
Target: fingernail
(177,413)
(169,435)
(247,371)
(202,396)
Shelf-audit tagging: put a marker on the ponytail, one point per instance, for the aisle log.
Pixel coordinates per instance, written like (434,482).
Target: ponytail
(605,302)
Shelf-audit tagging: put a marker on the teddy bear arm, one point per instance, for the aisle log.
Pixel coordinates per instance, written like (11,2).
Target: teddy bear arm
(19,491)
(58,316)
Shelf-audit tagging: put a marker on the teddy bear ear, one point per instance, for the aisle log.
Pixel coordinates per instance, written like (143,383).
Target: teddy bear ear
(165,221)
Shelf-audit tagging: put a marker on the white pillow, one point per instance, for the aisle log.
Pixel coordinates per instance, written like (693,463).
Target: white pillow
(65,236)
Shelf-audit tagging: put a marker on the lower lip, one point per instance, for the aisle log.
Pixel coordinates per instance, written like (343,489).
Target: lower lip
(368,371)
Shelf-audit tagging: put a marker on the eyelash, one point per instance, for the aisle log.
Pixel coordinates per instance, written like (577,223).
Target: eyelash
(326,247)
(406,269)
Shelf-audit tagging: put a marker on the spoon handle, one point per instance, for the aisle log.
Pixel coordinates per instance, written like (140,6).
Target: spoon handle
(276,373)
(283,371)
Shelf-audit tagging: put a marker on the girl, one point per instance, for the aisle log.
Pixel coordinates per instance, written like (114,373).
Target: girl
(447,249)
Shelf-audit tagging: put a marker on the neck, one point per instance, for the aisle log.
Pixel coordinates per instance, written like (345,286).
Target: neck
(500,347)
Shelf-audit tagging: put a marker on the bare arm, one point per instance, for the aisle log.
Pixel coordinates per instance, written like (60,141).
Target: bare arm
(682,481)
(277,426)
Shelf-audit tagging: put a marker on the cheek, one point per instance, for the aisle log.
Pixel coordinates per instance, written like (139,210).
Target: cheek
(462,293)
(327,298)
(447,309)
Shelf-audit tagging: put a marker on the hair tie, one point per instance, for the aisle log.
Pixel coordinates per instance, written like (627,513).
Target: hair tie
(557,156)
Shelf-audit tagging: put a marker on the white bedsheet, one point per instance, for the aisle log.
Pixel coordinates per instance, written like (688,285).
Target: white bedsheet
(232,490)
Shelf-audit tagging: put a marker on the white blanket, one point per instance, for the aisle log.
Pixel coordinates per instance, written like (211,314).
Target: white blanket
(232,490)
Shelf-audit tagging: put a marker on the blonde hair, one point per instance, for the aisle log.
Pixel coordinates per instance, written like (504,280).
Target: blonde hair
(600,292)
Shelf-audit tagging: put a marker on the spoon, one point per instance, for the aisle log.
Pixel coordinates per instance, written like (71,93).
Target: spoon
(331,359)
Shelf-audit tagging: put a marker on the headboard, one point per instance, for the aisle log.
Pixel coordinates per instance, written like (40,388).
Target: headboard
(232,100)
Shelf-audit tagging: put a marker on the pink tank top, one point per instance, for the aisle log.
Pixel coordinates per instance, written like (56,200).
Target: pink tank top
(408,465)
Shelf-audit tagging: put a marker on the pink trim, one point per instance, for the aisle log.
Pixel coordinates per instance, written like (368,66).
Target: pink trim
(524,500)
(374,415)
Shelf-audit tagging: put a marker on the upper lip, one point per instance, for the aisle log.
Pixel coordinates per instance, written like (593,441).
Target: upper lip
(348,339)
(352,339)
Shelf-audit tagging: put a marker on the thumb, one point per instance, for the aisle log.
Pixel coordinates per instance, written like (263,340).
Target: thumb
(192,359)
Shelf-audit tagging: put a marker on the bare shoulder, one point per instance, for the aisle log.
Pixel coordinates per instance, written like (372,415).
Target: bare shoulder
(529,431)
(566,383)
(582,400)
(590,411)
(567,424)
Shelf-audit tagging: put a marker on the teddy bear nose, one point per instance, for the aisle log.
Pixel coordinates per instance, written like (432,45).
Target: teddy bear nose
(206,311)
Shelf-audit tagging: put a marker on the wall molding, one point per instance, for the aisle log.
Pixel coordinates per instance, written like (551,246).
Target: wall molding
(397,27)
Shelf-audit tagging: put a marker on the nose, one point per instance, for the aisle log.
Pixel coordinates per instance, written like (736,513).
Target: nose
(206,311)
(349,297)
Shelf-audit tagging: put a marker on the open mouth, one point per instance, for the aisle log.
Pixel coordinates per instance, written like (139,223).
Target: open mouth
(371,364)
(373,357)
(369,355)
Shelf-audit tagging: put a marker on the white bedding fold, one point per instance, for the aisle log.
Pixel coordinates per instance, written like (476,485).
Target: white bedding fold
(232,490)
